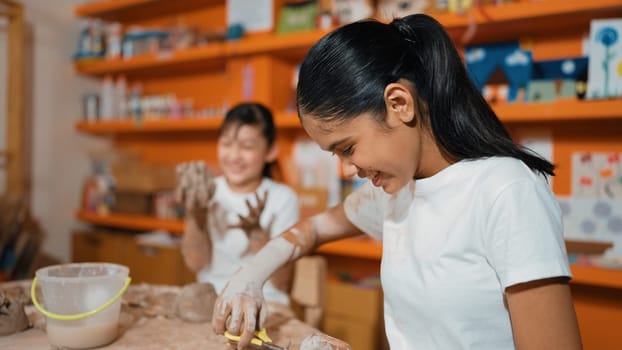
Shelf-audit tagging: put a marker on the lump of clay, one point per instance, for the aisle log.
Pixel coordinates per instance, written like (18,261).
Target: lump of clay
(323,342)
(195,302)
(12,316)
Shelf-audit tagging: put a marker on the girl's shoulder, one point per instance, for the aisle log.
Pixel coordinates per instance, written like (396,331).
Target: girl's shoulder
(500,172)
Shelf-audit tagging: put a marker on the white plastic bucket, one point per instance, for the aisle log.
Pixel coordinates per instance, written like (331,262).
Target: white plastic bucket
(82,302)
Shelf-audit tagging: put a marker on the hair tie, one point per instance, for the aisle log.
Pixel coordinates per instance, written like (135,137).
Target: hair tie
(404,29)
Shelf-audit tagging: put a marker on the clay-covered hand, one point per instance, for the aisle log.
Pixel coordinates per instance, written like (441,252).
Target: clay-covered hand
(195,189)
(240,309)
(257,235)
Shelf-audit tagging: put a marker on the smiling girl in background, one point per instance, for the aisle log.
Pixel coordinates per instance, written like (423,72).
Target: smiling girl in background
(230,217)
(473,254)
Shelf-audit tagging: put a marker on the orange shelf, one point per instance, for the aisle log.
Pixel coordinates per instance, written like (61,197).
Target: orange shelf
(206,57)
(358,247)
(596,276)
(164,125)
(284,120)
(504,22)
(275,43)
(132,222)
(132,10)
(527,18)
(560,110)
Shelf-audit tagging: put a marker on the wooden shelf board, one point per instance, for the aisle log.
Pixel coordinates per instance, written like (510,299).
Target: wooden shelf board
(163,125)
(275,43)
(210,55)
(132,222)
(358,247)
(504,22)
(207,56)
(520,19)
(285,121)
(133,10)
(596,276)
(560,110)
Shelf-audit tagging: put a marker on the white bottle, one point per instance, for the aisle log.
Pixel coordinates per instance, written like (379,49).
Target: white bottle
(107,99)
(120,91)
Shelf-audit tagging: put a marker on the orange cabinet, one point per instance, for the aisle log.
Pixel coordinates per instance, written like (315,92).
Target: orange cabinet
(148,263)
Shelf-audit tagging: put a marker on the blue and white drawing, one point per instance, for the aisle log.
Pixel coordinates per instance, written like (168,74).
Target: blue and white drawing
(516,64)
(605,63)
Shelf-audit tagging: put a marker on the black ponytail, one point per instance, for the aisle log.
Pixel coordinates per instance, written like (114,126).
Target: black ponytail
(344,75)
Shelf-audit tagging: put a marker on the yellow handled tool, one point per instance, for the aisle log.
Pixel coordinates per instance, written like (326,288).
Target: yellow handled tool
(261,340)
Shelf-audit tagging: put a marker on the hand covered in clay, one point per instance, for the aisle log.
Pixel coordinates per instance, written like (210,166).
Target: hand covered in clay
(323,342)
(195,189)
(250,224)
(240,309)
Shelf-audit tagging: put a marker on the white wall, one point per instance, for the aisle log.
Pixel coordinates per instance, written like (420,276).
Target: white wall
(59,159)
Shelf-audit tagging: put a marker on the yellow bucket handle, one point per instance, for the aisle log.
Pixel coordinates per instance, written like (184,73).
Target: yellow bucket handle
(76,316)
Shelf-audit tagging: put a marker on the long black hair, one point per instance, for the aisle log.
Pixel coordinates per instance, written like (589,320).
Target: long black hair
(345,74)
(254,114)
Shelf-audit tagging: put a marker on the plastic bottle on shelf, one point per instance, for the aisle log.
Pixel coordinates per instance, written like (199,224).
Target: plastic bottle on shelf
(107,101)
(113,41)
(120,91)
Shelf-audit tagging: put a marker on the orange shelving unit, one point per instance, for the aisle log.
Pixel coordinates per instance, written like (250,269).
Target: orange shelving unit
(131,222)
(217,74)
(134,10)
(521,18)
(157,125)
(187,124)
(560,110)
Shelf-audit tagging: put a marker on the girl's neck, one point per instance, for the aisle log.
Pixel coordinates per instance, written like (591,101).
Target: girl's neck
(246,187)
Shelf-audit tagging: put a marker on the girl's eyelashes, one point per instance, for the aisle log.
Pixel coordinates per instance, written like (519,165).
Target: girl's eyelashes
(348,151)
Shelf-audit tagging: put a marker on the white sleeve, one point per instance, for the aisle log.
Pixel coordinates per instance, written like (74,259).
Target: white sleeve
(524,234)
(365,209)
(285,209)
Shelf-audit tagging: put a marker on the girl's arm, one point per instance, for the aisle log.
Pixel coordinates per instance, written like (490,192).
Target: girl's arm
(543,315)
(195,190)
(240,306)
(196,246)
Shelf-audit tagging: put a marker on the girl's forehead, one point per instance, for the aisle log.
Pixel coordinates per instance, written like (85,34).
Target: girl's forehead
(241,131)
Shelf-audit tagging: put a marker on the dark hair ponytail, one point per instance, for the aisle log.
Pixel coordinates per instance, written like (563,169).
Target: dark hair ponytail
(344,75)
(254,114)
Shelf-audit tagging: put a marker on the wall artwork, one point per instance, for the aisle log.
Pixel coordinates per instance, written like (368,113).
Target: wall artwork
(605,63)
(506,60)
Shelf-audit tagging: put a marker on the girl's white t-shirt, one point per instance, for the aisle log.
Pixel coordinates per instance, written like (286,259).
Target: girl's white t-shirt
(452,243)
(228,249)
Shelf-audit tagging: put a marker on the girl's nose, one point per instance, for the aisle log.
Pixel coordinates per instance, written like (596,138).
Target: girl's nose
(348,168)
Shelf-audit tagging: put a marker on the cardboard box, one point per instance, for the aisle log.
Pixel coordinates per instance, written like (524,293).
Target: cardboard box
(141,177)
(354,314)
(137,203)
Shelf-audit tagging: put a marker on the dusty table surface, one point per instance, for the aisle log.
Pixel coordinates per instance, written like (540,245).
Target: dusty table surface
(141,332)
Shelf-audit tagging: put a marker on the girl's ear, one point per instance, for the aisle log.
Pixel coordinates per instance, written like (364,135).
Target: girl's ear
(399,103)
(273,152)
